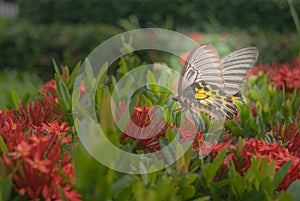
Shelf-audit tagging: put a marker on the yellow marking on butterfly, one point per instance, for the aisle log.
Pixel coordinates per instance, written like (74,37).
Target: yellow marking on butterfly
(234,98)
(200,96)
(202,91)
(200,84)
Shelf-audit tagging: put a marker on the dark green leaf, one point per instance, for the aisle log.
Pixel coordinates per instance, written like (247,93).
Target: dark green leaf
(294,189)
(281,173)
(5,188)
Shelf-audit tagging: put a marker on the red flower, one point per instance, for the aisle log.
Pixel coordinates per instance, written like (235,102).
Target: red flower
(38,163)
(259,149)
(143,131)
(289,136)
(38,112)
(49,88)
(22,150)
(196,36)
(56,128)
(183,57)
(285,76)
(35,156)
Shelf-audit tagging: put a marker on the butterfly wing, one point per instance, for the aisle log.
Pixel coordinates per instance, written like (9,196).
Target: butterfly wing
(203,63)
(209,99)
(236,66)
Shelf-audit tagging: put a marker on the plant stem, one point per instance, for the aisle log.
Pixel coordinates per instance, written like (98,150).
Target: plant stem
(294,15)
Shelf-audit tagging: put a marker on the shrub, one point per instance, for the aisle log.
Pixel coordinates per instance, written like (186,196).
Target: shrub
(254,15)
(29,47)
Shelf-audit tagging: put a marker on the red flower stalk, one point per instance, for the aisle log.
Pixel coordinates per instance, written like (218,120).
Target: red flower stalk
(146,128)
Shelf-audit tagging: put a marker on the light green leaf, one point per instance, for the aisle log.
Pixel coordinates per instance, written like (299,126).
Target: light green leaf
(63,92)
(56,67)
(15,98)
(73,75)
(187,192)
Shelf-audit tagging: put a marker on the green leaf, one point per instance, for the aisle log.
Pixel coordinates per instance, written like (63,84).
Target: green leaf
(26,98)
(281,173)
(204,198)
(63,92)
(287,197)
(3,146)
(5,188)
(187,192)
(210,170)
(150,77)
(88,70)
(294,189)
(122,182)
(238,185)
(56,67)
(190,179)
(15,98)
(235,128)
(102,74)
(73,75)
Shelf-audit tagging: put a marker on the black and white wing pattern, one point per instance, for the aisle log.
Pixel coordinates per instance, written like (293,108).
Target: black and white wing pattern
(236,66)
(203,63)
(211,84)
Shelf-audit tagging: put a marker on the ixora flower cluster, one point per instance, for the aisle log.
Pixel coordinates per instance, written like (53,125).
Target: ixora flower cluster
(283,76)
(239,151)
(37,149)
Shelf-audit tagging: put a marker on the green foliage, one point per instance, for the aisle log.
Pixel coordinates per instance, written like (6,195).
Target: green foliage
(97,182)
(26,46)
(201,15)
(31,47)
(271,106)
(64,84)
(258,183)
(17,87)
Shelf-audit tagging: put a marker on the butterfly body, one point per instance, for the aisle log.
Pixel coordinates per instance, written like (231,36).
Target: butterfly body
(210,84)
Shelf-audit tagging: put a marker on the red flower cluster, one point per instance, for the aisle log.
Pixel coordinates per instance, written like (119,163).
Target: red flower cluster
(143,131)
(41,168)
(257,148)
(290,136)
(285,76)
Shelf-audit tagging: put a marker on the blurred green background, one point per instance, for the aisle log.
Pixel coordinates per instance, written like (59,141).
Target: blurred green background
(32,33)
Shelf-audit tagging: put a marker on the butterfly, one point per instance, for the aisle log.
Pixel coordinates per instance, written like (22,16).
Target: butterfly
(210,84)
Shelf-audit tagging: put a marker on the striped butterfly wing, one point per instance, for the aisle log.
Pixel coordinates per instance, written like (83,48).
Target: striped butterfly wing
(235,68)
(212,82)
(203,63)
